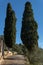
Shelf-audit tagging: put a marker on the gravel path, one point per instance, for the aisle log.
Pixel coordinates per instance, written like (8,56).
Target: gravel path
(13,60)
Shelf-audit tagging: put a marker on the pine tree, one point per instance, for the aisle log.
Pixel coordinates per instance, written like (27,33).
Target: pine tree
(10,27)
(29,34)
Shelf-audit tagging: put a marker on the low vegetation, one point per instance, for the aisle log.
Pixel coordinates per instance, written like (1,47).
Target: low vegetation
(34,58)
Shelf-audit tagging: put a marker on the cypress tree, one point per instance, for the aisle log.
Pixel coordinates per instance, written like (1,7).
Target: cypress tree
(29,34)
(10,27)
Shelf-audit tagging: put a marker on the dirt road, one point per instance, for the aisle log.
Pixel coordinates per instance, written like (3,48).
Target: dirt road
(13,60)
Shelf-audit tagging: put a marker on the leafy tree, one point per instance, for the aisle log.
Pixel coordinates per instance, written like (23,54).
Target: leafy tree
(10,27)
(29,34)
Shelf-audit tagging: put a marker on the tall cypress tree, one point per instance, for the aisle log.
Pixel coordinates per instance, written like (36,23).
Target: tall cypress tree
(29,35)
(10,27)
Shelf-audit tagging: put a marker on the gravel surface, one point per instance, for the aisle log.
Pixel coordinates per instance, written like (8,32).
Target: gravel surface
(13,60)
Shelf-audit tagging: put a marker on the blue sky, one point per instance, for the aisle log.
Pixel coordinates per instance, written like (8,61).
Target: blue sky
(18,7)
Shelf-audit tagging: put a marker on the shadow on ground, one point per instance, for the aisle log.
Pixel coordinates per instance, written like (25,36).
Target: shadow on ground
(14,60)
(12,64)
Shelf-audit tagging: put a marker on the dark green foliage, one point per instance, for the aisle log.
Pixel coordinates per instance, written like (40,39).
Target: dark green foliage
(10,27)
(17,48)
(24,50)
(29,35)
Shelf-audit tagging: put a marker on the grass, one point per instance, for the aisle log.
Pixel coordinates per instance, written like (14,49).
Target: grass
(36,59)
